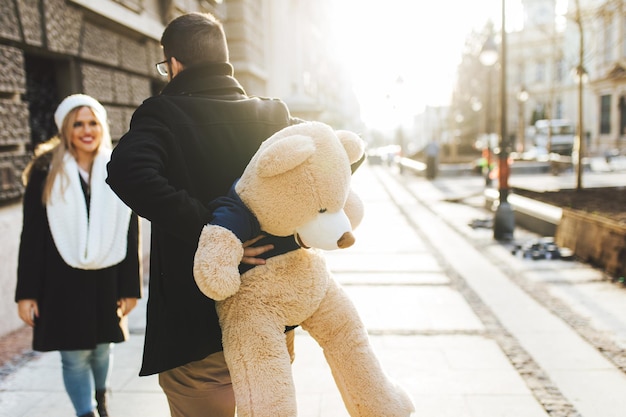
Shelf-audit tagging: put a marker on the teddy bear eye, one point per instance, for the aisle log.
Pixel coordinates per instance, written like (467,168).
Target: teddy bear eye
(322,210)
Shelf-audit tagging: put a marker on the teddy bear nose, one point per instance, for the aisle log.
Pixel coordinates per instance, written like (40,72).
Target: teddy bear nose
(346,240)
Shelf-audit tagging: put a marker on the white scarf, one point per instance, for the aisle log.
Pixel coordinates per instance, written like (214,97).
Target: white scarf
(93,242)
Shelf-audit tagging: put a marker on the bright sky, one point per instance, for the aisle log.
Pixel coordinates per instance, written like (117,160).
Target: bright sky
(418,41)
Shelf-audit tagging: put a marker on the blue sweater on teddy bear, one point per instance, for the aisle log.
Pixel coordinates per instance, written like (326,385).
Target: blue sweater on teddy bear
(231,213)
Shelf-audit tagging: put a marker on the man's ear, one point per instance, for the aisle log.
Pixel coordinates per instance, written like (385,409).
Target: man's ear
(176,67)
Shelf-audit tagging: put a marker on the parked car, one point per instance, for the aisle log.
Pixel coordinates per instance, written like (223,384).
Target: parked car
(555,135)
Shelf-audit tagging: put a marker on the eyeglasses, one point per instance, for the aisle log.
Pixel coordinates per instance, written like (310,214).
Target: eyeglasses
(162,67)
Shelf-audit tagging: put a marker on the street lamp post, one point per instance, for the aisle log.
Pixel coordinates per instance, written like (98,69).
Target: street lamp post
(504,220)
(488,57)
(580,77)
(522,97)
(476,105)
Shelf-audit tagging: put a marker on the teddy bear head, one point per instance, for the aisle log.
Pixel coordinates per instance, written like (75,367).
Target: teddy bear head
(298,183)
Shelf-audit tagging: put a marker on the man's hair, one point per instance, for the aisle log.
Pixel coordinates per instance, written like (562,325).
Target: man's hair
(194,38)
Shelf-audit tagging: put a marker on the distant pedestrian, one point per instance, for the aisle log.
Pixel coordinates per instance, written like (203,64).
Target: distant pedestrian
(78,270)
(432,159)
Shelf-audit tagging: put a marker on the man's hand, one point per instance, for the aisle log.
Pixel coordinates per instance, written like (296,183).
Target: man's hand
(250,253)
(28,310)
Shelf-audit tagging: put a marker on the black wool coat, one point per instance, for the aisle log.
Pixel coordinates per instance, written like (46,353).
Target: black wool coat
(77,307)
(185,147)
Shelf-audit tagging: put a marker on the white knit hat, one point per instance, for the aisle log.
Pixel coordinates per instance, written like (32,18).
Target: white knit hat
(80,100)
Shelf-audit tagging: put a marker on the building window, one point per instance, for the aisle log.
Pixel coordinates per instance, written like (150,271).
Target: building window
(42,96)
(605,114)
(520,74)
(608,40)
(540,71)
(7,178)
(622,115)
(558,110)
(623,41)
(560,70)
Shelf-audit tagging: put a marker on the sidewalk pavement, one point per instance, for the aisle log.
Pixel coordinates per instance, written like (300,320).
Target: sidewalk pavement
(446,322)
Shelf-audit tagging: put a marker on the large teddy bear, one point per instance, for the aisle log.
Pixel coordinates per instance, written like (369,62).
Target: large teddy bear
(296,188)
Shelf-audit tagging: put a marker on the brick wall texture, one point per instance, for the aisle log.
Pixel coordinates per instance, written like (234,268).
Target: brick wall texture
(88,54)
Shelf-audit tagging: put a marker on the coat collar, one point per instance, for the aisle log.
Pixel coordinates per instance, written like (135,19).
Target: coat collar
(206,79)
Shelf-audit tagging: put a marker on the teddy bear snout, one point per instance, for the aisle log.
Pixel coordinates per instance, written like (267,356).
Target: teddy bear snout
(325,231)
(346,240)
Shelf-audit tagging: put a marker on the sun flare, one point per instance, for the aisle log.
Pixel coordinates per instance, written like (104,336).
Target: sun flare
(402,55)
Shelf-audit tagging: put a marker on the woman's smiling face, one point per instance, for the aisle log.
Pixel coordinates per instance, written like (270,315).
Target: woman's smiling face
(86,133)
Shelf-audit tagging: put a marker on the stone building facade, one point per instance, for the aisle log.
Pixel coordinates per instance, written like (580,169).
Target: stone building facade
(108,49)
(50,49)
(53,48)
(608,30)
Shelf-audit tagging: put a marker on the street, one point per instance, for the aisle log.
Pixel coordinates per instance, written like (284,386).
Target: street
(560,324)
(466,327)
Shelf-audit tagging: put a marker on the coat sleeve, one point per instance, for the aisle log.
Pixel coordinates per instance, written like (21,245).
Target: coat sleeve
(32,248)
(129,281)
(137,173)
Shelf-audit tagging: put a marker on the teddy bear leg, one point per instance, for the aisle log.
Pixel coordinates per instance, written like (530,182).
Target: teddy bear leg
(365,388)
(256,352)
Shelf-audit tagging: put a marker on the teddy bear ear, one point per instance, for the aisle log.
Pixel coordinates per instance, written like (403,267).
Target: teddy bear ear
(352,143)
(284,155)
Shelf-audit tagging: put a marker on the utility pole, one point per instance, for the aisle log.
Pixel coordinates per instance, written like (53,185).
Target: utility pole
(580,72)
(504,220)
(551,77)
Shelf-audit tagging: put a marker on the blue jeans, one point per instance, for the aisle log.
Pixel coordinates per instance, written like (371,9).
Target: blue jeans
(85,371)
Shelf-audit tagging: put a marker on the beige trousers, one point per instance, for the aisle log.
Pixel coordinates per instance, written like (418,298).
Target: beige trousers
(203,388)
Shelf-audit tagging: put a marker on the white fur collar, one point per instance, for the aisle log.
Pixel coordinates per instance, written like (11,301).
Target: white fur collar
(93,242)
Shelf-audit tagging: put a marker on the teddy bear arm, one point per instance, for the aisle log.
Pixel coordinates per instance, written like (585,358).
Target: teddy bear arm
(216,262)
(258,359)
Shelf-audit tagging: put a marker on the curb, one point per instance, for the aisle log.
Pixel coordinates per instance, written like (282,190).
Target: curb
(533,215)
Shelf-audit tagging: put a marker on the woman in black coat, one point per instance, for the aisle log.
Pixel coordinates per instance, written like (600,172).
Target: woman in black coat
(79,266)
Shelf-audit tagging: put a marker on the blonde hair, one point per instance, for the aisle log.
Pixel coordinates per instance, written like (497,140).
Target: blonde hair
(52,152)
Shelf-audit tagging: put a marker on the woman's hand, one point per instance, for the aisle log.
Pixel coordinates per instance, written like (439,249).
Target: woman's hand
(28,310)
(126,305)
(250,253)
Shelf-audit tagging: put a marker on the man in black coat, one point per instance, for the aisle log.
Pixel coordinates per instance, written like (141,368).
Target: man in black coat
(185,147)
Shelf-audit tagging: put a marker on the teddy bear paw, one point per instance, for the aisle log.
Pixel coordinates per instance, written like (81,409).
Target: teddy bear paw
(216,262)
